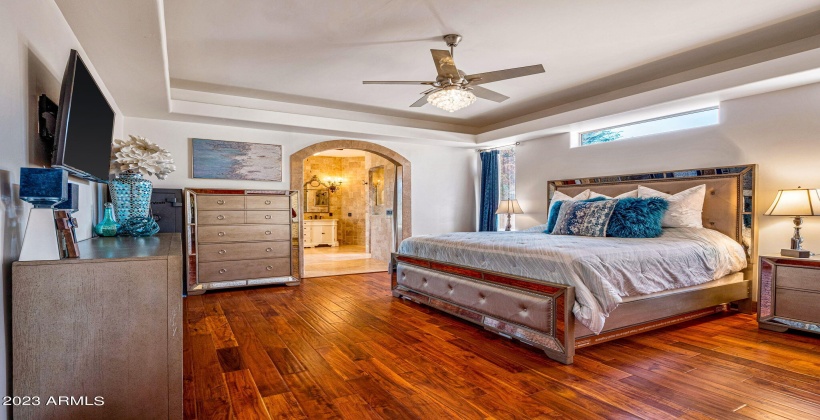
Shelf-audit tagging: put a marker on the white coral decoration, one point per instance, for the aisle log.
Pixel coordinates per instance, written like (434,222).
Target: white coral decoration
(140,155)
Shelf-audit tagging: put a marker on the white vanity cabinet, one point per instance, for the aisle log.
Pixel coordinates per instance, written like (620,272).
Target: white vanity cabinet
(320,232)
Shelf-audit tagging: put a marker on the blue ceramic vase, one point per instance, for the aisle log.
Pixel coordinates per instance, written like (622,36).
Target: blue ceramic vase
(131,195)
(108,226)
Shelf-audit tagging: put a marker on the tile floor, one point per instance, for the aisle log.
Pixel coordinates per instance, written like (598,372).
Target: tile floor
(345,259)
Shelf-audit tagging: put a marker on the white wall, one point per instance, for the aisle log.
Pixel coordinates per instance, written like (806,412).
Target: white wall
(779,131)
(35,41)
(442,177)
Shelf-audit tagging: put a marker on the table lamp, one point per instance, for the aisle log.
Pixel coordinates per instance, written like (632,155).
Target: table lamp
(797,203)
(509,207)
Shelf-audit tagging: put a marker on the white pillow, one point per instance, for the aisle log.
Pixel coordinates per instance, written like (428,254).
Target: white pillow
(559,196)
(628,194)
(685,207)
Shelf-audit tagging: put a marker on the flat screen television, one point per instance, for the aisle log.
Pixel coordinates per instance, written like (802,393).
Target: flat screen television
(85,125)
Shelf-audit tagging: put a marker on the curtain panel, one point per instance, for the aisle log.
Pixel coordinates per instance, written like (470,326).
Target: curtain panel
(488,222)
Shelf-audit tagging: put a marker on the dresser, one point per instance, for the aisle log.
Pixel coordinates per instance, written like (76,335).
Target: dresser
(320,232)
(239,238)
(106,325)
(789,293)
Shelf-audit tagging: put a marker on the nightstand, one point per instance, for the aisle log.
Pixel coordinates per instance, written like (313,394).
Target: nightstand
(789,293)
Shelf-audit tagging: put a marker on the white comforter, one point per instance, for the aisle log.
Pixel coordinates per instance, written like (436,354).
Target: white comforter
(603,270)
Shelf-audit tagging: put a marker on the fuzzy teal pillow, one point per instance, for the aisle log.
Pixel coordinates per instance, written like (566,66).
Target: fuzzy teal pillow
(637,218)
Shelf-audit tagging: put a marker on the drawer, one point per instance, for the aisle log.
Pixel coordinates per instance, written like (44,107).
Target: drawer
(262,202)
(219,202)
(268,216)
(243,270)
(243,233)
(216,217)
(798,278)
(797,304)
(243,251)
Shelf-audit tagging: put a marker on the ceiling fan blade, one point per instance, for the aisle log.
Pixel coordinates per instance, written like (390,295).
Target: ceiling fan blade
(423,99)
(395,82)
(485,93)
(445,66)
(494,76)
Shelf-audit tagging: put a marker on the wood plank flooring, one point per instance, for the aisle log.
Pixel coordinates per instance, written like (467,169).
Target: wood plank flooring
(343,347)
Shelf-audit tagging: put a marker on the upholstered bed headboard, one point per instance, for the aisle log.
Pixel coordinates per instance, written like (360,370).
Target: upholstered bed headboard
(727,208)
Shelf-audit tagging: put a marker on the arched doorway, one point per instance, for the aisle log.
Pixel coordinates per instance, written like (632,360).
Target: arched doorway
(401,218)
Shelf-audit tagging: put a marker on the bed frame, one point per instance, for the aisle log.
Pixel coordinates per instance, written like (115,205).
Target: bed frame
(551,325)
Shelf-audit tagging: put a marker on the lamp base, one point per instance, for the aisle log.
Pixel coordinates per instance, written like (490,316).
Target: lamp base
(40,241)
(795,253)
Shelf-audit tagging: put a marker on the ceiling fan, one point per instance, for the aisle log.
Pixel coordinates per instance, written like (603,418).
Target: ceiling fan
(454,89)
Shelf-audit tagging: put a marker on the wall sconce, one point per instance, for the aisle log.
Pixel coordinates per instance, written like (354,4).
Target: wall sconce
(334,184)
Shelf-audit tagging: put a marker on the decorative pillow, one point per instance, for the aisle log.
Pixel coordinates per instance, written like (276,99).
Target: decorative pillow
(584,218)
(685,207)
(556,208)
(637,218)
(628,194)
(559,196)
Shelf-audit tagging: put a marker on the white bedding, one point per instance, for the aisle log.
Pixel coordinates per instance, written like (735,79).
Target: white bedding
(603,270)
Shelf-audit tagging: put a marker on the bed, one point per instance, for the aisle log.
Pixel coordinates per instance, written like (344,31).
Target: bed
(560,293)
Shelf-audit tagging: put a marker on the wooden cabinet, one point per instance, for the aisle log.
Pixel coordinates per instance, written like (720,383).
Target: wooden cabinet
(241,238)
(108,324)
(320,232)
(789,293)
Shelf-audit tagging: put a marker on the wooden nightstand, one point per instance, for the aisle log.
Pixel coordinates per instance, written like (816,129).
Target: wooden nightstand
(789,293)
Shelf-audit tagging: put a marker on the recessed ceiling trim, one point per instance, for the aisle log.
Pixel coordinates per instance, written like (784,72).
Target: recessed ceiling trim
(311,110)
(790,71)
(330,125)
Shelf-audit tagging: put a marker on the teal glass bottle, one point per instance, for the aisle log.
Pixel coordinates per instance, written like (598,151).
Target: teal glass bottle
(108,226)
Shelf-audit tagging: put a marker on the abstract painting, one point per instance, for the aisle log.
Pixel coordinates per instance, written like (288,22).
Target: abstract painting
(218,159)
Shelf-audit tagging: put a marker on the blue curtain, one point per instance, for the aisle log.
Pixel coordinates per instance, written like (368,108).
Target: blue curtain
(488,221)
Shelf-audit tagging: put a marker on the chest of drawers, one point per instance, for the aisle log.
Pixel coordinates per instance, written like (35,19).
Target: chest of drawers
(240,238)
(789,293)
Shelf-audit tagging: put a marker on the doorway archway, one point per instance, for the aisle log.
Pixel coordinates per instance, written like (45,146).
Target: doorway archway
(402,221)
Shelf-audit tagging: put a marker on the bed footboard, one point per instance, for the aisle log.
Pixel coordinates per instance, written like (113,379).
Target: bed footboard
(536,313)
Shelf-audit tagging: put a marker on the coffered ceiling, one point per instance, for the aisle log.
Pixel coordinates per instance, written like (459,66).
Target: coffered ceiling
(300,63)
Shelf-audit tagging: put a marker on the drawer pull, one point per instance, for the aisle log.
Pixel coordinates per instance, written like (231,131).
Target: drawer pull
(220,202)
(267,232)
(222,271)
(269,249)
(223,251)
(267,201)
(220,217)
(267,216)
(221,233)
(269,268)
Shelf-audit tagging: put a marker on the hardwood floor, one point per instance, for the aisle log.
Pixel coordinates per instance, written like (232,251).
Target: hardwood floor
(343,347)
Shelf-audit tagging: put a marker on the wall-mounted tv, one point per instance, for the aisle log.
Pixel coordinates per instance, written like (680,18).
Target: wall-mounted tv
(85,125)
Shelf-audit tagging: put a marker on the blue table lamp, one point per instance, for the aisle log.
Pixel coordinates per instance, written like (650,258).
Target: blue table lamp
(44,188)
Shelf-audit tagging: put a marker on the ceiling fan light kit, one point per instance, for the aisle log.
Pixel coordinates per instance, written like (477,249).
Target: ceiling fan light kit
(454,89)
(451,99)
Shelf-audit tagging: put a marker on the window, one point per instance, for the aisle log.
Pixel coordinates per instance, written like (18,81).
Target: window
(665,124)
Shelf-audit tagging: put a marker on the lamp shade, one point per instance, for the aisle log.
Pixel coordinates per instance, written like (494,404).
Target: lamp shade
(43,187)
(796,202)
(509,207)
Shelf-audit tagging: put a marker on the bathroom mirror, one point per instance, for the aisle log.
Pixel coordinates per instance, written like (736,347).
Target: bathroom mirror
(376,180)
(317,196)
